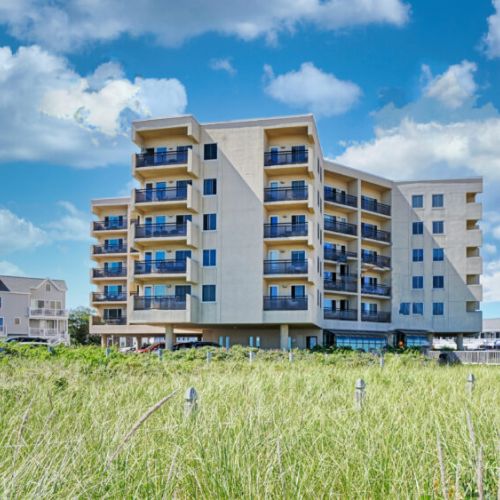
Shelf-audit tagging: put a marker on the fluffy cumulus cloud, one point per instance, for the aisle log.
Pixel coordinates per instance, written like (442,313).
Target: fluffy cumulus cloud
(491,281)
(223,64)
(73,224)
(492,37)
(17,233)
(10,269)
(73,23)
(72,119)
(312,89)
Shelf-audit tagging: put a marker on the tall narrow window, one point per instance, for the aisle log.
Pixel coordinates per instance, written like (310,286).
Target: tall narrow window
(210,152)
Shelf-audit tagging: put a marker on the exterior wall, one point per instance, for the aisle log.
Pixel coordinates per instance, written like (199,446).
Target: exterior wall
(15,305)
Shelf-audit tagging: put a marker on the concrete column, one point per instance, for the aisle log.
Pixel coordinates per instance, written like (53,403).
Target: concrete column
(390,339)
(104,341)
(284,337)
(460,342)
(169,337)
(430,338)
(138,341)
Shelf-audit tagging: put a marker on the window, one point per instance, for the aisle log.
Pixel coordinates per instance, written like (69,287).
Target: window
(438,254)
(209,222)
(418,228)
(210,152)
(417,341)
(438,282)
(0,302)
(17,321)
(209,258)
(418,255)
(404,308)
(47,287)
(418,308)
(208,293)
(418,282)
(209,187)
(417,201)
(1,324)
(367,343)
(437,308)
(437,227)
(437,201)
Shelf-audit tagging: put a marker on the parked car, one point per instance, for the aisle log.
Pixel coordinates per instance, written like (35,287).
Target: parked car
(152,348)
(194,345)
(28,340)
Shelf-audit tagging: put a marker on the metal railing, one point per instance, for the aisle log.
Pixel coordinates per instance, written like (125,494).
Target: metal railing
(48,312)
(375,234)
(45,332)
(336,196)
(344,315)
(285,267)
(109,272)
(96,320)
(177,157)
(107,249)
(109,297)
(161,194)
(164,230)
(376,260)
(340,227)
(345,284)
(285,303)
(383,290)
(172,266)
(376,317)
(285,194)
(142,302)
(289,157)
(109,225)
(285,229)
(373,205)
(337,256)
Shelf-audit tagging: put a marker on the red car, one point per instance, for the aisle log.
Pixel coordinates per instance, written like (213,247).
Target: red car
(152,347)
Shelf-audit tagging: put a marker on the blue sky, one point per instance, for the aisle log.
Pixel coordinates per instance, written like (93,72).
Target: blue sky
(401,88)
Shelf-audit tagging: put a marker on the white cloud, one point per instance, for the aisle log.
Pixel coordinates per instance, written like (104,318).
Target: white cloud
(455,86)
(223,64)
(492,38)
(491,281)
(73,225)
(72,119)
(17,233)
(64,26)
(312,89)
(9,269)
(489,249)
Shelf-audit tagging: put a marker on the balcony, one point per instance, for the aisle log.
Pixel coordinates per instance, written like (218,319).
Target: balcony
(285,229)
(289,157)
(379,290)
(338,256)
(160,266)
(285,303)
(109,225)
(48,313)
(340,227)
(376,260)
(375,234)
(180,161)
(339,197)
(110,272)
(161,195)
(376,317)
(373,205)
(285,267)
(109,297)
(98,321)
(108,249)
(45,332)
(177,157)
(164,230)
(272,194)
(342,315)
(163,303)
(343,284)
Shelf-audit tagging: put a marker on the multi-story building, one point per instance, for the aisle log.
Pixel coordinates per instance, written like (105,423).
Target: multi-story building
(33,307)
(244,230)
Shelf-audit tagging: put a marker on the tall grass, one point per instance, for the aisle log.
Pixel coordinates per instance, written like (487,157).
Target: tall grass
(262,429)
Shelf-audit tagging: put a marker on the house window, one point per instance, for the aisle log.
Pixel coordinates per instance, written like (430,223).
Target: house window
(418,228)
(437,201)
(17,321)
(47,288)
(438,254)
(209,258)
(437,308)
(208,293)
(438,281)
(404,308)
(418,255)
(418,282)
(209,187)
(417,201)
(210,152)
(209,222)
(418,308)
(437,227)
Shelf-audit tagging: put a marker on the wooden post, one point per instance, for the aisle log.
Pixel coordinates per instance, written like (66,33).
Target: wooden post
(160,354)
(251,356)
(359,393)
(209,357)
(471,380)
(108,351)
(50,349)
(289,343)
(190,402)
(290,357)
(382,360)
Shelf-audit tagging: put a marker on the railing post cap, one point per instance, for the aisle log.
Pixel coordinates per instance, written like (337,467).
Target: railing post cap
(191,394)
(360,384)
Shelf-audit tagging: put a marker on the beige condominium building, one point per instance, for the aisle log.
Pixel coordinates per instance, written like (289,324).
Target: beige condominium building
(243,233)
(33,307)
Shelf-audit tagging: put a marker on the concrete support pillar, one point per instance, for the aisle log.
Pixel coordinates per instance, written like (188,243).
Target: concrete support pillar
(390,339)
(284,331)
(430,338)
(169,337)
(138,341)
(460,342)
(104,341)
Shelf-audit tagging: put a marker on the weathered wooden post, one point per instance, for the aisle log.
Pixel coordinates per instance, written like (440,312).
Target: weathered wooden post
(209,357)
(250,341)
(251,356)
(257,342)
(190,402)
(471,380)
(382,360)
(50,349)
(359,393)
(289,343)
(160,354)
(108,351)
(290,357)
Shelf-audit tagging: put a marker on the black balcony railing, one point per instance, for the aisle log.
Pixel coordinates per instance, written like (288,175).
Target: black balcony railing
(377,317)
(156,159)
(376,260)
(338,256)
(96,320)
(170,303)
(285,267)
(285,230)
(160,266)
(340,227)
(160,230)
(344,315)
(375,234)
(110,272)
(343,283)
(160,194)
(109,297)
(106,249)
(109,225)
(285,194)
(383,290)
(282,303)
(373,205)
(335,196)
(290,157)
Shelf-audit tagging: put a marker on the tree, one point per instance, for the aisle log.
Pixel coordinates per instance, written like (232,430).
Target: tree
(78,326)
